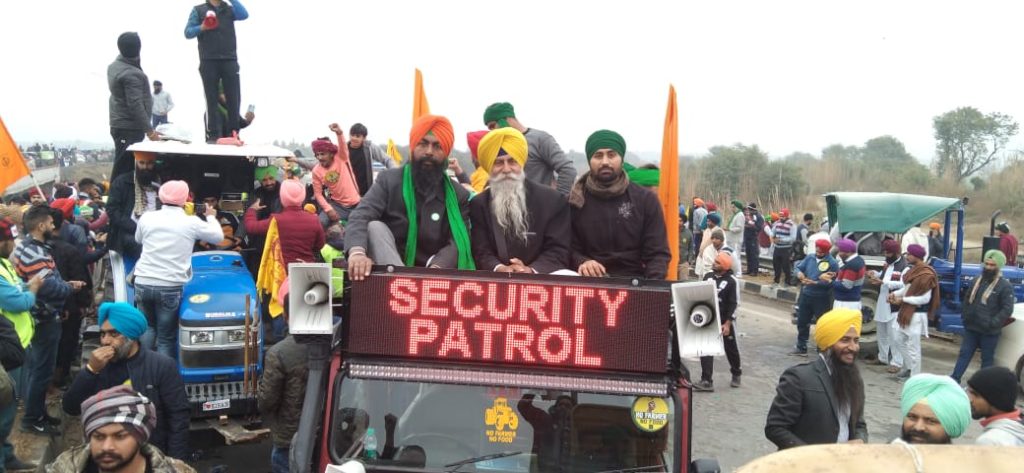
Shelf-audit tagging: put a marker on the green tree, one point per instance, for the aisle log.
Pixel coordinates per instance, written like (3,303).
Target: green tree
(967,141)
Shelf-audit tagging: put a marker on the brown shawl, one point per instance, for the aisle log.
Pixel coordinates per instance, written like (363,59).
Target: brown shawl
(597,188)
(921,278)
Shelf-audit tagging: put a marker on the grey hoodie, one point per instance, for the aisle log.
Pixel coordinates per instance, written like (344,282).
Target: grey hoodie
(1003,432)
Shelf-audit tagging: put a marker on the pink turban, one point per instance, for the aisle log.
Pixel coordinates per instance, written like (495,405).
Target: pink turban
(292,193)
(174,193)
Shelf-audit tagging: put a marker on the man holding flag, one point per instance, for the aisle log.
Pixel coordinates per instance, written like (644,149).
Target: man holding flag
(413,215)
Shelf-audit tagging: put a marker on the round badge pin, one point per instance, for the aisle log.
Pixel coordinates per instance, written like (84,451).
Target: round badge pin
(435,216)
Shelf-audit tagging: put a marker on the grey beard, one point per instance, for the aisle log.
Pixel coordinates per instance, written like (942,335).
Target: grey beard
(508,202)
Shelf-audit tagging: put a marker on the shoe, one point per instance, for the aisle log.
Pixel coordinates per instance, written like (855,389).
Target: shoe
(905,374)
(794,320)
(54,421)
(893,369)
(798,352)
(735,381)
(704,386)
(40,427)
(17,465)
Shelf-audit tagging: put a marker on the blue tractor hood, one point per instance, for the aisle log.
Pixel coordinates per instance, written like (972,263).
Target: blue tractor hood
(216,294)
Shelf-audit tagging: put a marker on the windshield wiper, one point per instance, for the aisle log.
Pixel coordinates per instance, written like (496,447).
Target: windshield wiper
(651,468)
(493,456)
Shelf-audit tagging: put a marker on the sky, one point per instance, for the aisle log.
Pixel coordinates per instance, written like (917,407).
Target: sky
(785,75)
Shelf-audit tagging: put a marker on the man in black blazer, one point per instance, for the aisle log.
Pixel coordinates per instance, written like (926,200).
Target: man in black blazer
(822,401)
(518,225)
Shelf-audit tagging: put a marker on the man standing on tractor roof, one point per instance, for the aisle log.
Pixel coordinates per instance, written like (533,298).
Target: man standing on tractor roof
(547,161)
(120,360)
(413,215)
(131,105)
(519,226)
(213,23)
(618,228)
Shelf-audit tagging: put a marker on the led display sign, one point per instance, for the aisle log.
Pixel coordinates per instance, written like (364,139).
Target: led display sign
(478,317)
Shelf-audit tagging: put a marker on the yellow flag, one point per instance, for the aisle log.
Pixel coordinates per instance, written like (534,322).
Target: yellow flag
(272,271)
(668,184)
(393,152)
(420,106)
(12,164)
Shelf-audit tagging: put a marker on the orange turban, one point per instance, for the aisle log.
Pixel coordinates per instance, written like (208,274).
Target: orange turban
(698,202)
(934,225)
(437,124)
(724,260)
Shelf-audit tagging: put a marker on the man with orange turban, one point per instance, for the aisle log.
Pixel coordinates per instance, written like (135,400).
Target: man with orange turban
(519,225)
(413,215)
(822,401)
(725,284)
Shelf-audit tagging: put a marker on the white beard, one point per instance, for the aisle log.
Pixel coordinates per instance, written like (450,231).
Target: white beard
(508,202)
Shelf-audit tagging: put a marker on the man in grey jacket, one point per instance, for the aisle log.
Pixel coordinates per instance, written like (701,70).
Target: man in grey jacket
(989,304)
(131,104)
(546,160)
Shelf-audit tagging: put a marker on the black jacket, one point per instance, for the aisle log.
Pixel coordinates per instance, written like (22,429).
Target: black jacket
(12,355)
(131,103)
(805,409)
(152,375)
(283,388)
(726,287)
(69,263)
(546,249)
(988,319)
(384,203)
(626,234)
(120,205)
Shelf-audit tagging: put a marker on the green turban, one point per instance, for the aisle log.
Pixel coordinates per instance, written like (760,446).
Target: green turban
(946,398)
(738,204)
(498,112)
(265,171)
(601,139)
(997,256)
(645,177)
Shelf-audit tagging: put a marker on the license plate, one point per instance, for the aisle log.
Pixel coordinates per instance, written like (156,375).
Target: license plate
(216,405)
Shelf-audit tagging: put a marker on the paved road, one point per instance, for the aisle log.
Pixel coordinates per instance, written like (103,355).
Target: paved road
(729,423)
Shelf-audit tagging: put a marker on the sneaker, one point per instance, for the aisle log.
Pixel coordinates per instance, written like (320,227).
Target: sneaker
(54,421)
(40,427)
(798,352)
(704,386)
(15,464)
(905,374)
(735,381)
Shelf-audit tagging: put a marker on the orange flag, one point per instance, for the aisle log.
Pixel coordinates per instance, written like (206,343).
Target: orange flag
(420,106)
(668,184)
(12,164)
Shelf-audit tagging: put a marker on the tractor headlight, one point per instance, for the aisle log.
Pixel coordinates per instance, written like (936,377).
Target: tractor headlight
(201,337)
(235,336)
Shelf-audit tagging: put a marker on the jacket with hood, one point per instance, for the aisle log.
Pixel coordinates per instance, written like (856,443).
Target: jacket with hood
(131,103)
(1006,432)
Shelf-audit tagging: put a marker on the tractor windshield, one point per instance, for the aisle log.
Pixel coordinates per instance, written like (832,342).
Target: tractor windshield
(395,425)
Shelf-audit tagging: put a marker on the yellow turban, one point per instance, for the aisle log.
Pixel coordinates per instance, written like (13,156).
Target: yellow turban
(834,324)
(508,139)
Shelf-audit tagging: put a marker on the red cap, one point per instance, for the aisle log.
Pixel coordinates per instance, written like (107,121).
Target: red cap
(65,205)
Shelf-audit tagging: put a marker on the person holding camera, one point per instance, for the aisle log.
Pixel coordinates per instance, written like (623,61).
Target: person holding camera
(167,237)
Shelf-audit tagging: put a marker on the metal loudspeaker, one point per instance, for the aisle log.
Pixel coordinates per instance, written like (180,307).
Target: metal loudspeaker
(309,299)
(698,320)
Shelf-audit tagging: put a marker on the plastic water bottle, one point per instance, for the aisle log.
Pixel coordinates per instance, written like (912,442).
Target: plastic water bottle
(370,444)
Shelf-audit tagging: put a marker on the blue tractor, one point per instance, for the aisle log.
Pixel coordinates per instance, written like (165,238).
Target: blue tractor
(220,336)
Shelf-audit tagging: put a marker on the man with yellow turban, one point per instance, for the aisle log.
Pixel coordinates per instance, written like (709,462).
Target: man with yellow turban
(935,410)
(822,401)
(413,215)
(547,161)
(518,225)
(618,228)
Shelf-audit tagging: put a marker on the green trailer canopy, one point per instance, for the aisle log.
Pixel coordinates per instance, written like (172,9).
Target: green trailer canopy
(883,211)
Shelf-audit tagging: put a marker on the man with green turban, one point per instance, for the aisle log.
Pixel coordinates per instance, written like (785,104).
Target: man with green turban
(988,306)
(546,161)
(618,227)
(519,226)
(935,410)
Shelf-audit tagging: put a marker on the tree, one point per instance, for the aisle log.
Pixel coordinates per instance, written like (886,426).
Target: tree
(967,141)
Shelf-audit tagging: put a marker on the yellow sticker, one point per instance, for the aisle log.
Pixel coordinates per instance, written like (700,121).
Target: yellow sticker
(502,422)
(823,266)
(199,298)
(650,414)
